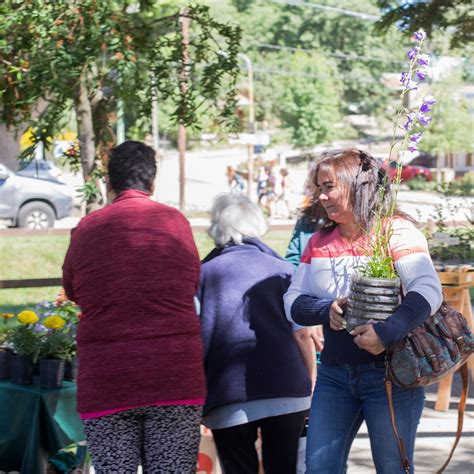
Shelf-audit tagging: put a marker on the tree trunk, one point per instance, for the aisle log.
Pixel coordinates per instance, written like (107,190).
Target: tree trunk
(85,131)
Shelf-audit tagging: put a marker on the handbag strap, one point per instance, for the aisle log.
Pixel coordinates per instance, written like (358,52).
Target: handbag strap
(461,409)
(463,370)
(401,446)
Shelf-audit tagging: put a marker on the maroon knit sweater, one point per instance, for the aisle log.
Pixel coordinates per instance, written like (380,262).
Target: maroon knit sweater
(133,268)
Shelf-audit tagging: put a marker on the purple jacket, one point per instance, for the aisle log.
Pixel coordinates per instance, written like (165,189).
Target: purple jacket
(249,350)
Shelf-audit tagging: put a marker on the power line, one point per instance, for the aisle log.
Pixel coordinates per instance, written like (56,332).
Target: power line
(350,57)
(257,69)
(317,6)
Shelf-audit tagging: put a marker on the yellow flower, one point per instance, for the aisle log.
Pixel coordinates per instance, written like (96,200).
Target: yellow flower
(8,315)
(28,317)
(54,322)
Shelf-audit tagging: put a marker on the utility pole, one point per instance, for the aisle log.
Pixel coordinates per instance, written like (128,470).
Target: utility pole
(120,138)
(155,133)
(182,129)
(251,124)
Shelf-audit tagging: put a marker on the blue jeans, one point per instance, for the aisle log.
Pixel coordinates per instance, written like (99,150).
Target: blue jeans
(344,397)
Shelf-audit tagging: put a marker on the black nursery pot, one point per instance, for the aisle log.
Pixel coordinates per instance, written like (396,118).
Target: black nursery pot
(21,369)
(371,299)
(4,365)
(70,370)
(51,373)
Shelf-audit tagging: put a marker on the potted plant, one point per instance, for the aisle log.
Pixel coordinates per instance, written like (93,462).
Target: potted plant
(56,347)
(375,289)
(25,342)
(69,312)
(4,349)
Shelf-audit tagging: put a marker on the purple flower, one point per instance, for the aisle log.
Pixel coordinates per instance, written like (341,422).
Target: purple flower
(428,101)
(409,123)
(39,328)
(421,74)
(415,138)
(412,148)
(423,60)
(404,78)
(424,119)
(420,35)
(412,53)
(425,108)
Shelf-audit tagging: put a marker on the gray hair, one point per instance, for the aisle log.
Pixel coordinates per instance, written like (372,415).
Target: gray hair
(233,217)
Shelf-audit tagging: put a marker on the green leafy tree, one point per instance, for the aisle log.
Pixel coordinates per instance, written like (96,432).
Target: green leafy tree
(272,30)
(455,16)
(89,55)
(309,103)
(452,124)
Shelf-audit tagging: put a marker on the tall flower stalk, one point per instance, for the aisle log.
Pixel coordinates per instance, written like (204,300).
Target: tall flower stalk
(380,263)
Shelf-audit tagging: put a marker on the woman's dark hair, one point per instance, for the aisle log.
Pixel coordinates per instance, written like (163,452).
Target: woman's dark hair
(366,184)
(132,165)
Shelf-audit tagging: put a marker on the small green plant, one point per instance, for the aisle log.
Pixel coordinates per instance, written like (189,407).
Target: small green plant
(23,338)
(57,344)
(5,329)
(58,323)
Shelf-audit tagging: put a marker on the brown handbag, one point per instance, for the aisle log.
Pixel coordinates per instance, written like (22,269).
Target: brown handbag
(436,348)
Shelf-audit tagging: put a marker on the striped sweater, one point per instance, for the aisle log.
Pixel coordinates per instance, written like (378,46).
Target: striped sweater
(324,274)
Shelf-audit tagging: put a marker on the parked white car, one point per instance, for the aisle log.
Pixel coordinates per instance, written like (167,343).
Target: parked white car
(30,202)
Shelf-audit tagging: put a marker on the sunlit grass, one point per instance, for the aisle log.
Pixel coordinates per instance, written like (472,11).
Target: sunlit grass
(42,257)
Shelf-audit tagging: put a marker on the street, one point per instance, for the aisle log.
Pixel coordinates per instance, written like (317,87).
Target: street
(205,178)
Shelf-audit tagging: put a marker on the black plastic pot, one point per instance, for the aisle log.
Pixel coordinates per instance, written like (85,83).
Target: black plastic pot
(21,369)
(4,365)
(71,368)
(371,299)
(51,373)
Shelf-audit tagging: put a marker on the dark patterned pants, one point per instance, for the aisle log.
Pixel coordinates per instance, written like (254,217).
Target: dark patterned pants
(165,439)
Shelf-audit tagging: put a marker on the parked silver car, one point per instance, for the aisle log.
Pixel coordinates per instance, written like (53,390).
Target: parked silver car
(32,203)
(42,169)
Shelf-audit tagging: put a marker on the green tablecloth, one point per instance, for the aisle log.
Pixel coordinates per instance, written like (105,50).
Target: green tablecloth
(35,423)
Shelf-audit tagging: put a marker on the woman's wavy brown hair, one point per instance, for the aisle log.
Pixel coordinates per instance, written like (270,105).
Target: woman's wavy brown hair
(366,184)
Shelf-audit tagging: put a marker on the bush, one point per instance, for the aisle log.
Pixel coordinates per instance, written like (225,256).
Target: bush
(420,184)
(462,252)
(463,186)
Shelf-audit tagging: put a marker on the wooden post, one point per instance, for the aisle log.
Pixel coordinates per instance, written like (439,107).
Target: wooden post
(182,129)
(456,292)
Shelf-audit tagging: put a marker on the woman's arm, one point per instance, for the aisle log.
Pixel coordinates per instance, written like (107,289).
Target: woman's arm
(306,345)
(300,307)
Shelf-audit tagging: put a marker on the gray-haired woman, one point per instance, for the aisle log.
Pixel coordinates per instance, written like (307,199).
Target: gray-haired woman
(255,367)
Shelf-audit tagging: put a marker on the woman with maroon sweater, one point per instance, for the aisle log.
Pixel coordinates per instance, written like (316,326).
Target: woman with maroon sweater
(133,268)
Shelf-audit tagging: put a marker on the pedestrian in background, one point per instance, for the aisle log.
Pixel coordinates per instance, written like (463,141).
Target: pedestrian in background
(283,192)
(234,180)
(257,364)
(133,268)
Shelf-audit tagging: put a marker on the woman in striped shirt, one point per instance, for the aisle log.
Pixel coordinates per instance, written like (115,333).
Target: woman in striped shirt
(349,388)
